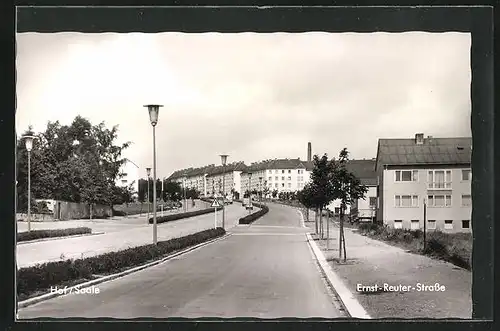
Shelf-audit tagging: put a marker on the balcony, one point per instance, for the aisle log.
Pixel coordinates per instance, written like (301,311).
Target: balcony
(439,186)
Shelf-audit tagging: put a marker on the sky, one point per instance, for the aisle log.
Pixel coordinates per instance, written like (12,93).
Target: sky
(253,96)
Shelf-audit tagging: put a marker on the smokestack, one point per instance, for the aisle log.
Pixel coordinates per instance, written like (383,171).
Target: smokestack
(309,152)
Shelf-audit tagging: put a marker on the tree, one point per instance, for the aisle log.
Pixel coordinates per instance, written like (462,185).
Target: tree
(305,197)
(158,189)
(322,188)
(266,190)
(173,191)
(348,189)
(275,193)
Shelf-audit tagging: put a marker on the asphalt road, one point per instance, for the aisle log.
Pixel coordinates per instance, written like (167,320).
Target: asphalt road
(131,233)
(265,270)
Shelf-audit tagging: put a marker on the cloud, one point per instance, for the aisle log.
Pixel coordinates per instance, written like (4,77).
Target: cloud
(254,96)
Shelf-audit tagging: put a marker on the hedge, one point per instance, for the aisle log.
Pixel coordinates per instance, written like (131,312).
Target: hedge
(174,217)
(254,216)
(42,276)
(38,234)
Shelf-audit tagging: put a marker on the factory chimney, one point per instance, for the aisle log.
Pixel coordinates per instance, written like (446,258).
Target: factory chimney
(309,152)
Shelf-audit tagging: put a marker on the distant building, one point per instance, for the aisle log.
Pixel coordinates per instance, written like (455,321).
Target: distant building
(283,175)
(129,176)
(434,170)
(363,209)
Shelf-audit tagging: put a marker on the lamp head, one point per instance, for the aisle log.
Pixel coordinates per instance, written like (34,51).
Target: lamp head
(223,159)
(153,113)
(28,139)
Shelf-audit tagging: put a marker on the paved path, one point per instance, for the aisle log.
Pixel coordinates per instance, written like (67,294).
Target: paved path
(134,234)
(265,270)
(117,223)
(373,262)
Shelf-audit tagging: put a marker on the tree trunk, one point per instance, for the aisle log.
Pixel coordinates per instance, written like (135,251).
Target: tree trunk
(343,240)
(307,214)
(328,231)
(90,212)
(340,234)
(316,220)
(321,223)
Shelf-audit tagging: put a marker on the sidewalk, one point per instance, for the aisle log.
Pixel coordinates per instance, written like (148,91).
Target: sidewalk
(371,262)
(74,248)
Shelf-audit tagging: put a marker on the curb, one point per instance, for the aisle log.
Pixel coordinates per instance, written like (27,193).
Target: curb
(351,305)
(57,238)
(69,290)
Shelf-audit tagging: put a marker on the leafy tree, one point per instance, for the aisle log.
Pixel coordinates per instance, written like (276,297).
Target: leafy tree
(265,190)
(323,190)
(158,189)
(275,194)
(141,195)
(305,197)
(173,191)
(348,189)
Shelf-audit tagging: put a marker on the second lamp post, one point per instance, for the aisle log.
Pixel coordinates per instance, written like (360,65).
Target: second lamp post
(223,159)
(153,117)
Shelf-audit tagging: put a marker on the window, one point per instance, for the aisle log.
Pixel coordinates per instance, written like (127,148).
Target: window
(406,201)
(283,185)
(398,224)
(466,174)
(270,178)
(124,181)
(289,178)
(465,224)
(276,185)
(439,179)
(276,178)
(406,175)
(373,202)
(448,225)
(300,171)
(282,171)
(289,185)
(415,225)
(289,171)
(431,224)
(466,200)
(439,200)
(283,178)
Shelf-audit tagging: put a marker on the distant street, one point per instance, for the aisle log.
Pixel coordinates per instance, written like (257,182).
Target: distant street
(120,234)
(263,270)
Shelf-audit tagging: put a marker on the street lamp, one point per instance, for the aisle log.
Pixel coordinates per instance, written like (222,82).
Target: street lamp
(29,146)
(223,158)
(148,172)
(249,193)
(153,117)
(260,188)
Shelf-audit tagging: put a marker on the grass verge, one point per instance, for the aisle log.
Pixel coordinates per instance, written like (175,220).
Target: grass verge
(455,248)
(254,216)
(40,234)
(38,279)
(174,217)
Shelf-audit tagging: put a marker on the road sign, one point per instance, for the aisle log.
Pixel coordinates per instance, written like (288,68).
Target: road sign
(216,203)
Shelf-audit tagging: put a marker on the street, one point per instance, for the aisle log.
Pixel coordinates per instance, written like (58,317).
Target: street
(263,270)
(123,234)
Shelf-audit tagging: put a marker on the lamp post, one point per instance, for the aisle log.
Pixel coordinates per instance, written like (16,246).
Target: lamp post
(184,192)
(223,159)
(260,189)
(249,193)
(29,146)
(153,117)
(148,173)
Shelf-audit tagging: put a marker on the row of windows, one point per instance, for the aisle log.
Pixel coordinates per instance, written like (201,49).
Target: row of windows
(299,178)
(431,224)
(289,171)
(435,200)
(436,179)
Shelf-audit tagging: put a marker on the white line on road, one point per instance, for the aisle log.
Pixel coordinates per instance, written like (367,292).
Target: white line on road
(268,234)
(347,298)
(275,226)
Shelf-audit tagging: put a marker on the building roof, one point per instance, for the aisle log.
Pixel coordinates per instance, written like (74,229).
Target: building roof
(209,170)
(364,170)
(277,164)
(433,151)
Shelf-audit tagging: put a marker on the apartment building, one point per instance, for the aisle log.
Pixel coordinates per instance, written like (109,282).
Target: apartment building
(434,171)
(364,209)
(194,178)
(225,180)
(283,175)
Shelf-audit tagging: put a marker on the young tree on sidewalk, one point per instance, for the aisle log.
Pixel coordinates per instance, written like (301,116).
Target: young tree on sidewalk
(322,186)
(348,189)
(305,197)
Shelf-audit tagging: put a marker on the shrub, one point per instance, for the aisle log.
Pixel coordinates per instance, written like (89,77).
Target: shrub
(174,217)
(38,234)
(254,216)
(43,276)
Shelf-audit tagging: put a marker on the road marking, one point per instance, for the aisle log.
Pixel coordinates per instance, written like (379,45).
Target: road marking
(353,307)
(275,226)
